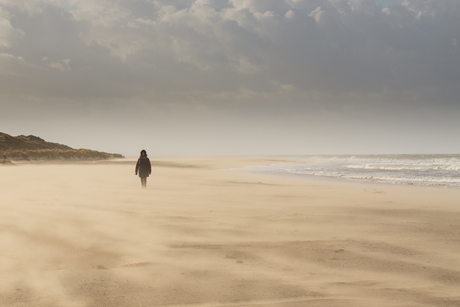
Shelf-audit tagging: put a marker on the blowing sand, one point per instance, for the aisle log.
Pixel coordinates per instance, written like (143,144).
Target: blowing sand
(87,234)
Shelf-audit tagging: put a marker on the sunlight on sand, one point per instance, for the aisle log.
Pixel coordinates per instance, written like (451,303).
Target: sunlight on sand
(87,234)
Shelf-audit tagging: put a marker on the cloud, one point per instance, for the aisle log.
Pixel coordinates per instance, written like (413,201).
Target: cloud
(179,47)
(245,56)
(8,35)
(61,64)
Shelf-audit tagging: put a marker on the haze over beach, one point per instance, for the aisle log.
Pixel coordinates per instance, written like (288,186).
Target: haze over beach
(302,153)
(217,77)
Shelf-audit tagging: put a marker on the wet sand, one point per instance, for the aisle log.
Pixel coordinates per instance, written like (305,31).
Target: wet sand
(87,234)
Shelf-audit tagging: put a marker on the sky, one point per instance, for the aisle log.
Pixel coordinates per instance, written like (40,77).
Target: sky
(233,77)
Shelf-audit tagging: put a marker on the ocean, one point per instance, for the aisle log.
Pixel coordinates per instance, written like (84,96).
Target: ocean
(429,170)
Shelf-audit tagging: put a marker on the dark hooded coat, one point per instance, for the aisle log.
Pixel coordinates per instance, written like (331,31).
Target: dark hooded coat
(143,166)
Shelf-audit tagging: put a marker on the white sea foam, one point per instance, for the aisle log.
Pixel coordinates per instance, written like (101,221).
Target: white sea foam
(438,170)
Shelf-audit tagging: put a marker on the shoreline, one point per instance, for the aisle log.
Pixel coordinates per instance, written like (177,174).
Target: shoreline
(211,161)
(345,180)
(258,169)
(245,162)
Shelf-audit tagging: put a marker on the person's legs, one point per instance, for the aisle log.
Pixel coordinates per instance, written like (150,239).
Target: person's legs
(144,181)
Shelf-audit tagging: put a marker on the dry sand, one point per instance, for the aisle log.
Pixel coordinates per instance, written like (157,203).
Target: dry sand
(87,234)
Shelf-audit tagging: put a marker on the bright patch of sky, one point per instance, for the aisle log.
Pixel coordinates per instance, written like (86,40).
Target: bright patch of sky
(385,3)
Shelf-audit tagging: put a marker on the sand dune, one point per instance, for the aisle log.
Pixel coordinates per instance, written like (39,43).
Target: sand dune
(87,234)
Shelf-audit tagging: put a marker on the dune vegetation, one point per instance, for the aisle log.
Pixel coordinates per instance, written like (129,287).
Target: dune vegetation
(59,154)
(29,148)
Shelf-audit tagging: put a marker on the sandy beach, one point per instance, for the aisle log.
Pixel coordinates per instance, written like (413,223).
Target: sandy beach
(87,234)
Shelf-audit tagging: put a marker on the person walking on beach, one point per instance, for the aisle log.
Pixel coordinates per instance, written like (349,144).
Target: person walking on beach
(143,167)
